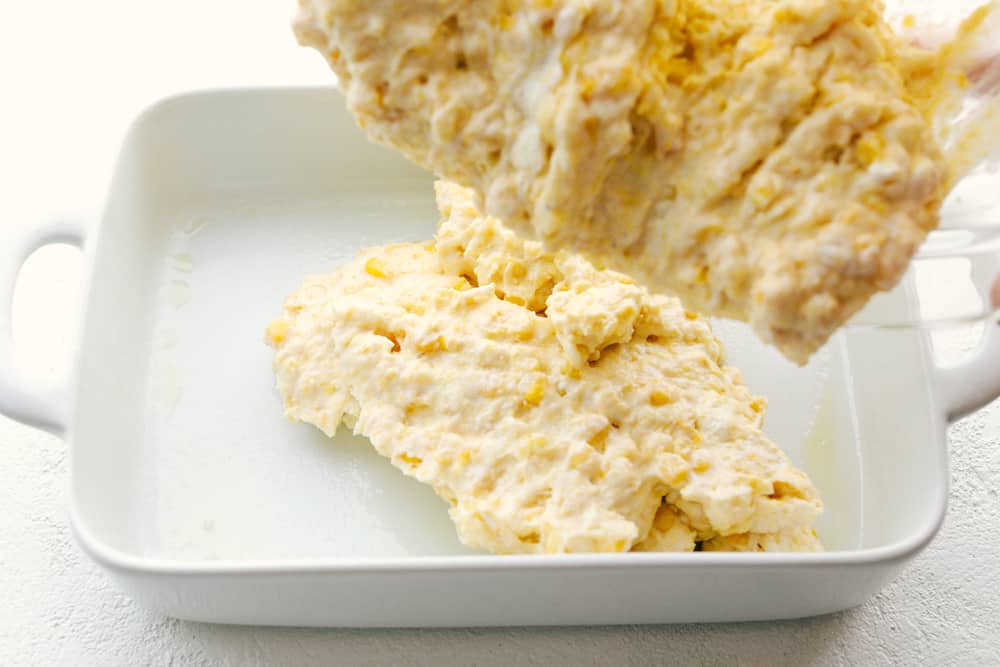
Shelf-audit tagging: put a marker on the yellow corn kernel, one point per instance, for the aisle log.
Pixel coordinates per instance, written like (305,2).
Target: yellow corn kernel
(414,408)
(785,15)
(505,21)
(620,545)
(571,371)
(536,393)
(517,271)
(414,308)
(412,460)
(277,331)
(762,46)
(869,148)
(689,315)
(692,430)
(439,344)
(909,20)
(658,398)
(464,457)
(515,299)
(375,268)
(702,466)
(873,201)
(664,519)
(762,194)
(627,80)
(536,445)
(679,478)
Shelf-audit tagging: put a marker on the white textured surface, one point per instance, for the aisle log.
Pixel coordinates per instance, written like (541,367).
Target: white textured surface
(65,108)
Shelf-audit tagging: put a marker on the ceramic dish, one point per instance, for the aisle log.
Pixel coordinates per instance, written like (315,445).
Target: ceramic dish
(192,489)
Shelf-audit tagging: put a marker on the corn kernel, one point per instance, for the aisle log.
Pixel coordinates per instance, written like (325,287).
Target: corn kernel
(664,519)
(538,442)
(374,267)
(515,299)
(873,201)
(571,371)
(535,394)
(762,194)
(784,15)
(277,331)
(702,466)
(658,398)
(439,344)
(762,46)
(414,408)
(464,457)
(414,308)
(869,148)
(679,478)
(412,460)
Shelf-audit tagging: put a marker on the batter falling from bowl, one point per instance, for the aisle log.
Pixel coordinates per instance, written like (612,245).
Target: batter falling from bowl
(772,161)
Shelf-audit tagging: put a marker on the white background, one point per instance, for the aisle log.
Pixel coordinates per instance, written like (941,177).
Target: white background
(73,75)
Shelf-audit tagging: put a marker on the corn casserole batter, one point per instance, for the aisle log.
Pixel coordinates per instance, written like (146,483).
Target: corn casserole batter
(555,407)
(771,161)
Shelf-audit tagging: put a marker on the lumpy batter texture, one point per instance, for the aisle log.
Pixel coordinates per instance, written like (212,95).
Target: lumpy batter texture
(555,407)
(765,160)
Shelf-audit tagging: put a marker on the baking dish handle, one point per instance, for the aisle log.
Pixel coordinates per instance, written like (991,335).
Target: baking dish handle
(22,397)
(966,387)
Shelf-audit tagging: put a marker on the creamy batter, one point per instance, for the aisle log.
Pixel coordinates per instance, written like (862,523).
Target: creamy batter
(555,407)
(766,160)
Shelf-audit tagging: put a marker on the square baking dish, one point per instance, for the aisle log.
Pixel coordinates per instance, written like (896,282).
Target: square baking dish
(204,502)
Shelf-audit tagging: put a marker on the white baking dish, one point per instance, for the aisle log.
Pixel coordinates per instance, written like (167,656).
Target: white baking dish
(204,502)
